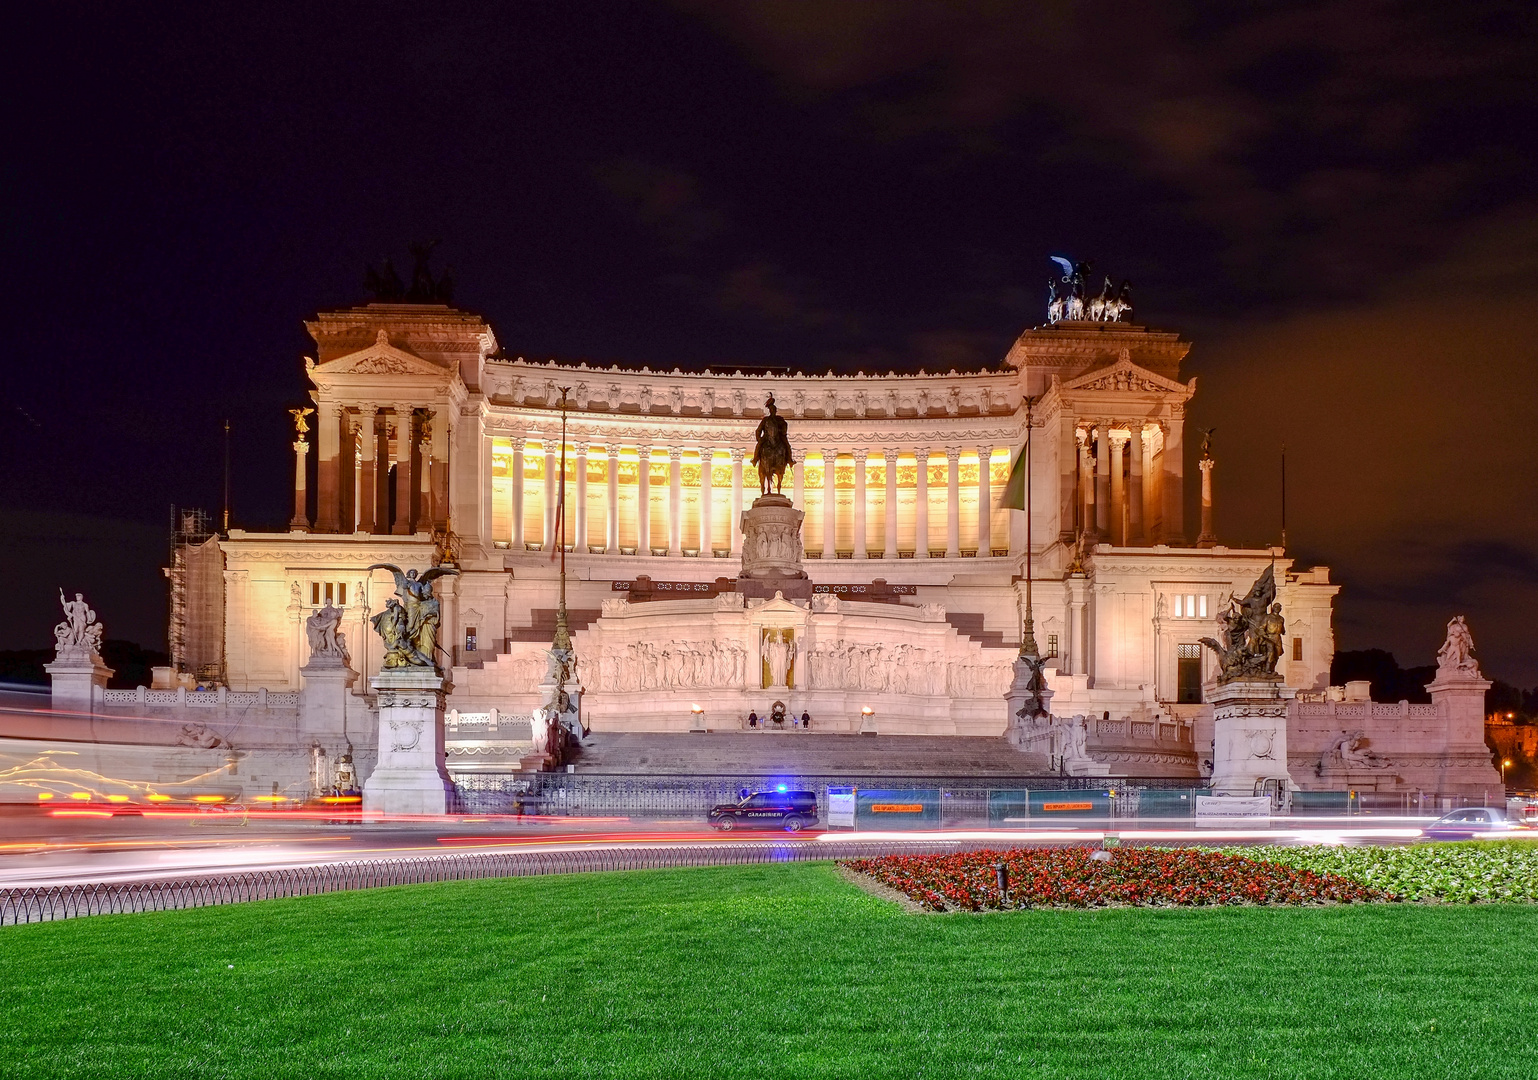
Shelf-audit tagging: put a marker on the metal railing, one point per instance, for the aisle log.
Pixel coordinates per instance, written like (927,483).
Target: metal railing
(53,902)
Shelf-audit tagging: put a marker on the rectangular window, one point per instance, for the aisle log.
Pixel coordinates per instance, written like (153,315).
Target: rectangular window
(1051,644)
(1179,606)
(1188,674)
(1190,606)
(315,593)
(1297,648)
(330,593)
(1201,603)
(469,639)
(341,594)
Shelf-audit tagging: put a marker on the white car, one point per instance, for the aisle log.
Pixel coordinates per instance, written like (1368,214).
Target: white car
(1473,823)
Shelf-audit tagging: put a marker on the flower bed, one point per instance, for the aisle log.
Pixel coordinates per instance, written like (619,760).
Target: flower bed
(1070,877)
(1462,873)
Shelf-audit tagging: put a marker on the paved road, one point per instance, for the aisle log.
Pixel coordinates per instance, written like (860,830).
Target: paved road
(37,849)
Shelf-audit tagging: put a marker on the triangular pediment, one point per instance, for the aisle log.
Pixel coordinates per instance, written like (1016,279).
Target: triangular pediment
(380,358)
(1126,376)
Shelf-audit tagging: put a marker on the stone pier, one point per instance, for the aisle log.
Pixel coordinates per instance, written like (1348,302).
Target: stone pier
(411,777)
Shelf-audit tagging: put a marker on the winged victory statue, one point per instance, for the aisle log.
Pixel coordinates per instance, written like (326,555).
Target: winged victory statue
(408,625)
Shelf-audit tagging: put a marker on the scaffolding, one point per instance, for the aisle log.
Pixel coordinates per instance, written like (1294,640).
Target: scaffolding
(196,577)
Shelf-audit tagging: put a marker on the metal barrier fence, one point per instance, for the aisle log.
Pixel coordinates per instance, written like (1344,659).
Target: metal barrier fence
(637,795)
(54,902)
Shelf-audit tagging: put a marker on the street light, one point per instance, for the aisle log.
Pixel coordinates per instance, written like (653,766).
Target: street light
(1505,764)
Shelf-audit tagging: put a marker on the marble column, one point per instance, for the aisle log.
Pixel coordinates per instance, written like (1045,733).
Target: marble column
(1118,490)
(798,485)
(984,502)
(1103,480)
(517,540)
(347,481)
(860,458)
(707,492)
(579,537)
(736,453)
(368,485)
(675,500)
(1086,484)
(301,519)
(1174,531)
(552,491)
(889,543)
(643,502)
(830,504)
(425,475)
(611,524)
(403,426)
(328,448)
(921,505)
(1135,486)
(1206,539)
(952,502)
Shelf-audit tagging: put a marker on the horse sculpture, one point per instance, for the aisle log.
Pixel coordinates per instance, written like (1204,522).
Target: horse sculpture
(772,456)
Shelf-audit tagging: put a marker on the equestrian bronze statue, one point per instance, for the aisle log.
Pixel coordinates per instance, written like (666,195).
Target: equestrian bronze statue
(772,456)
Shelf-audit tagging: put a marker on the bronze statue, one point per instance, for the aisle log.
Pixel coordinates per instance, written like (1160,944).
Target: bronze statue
(1252,632)
(772,456)
(409,628)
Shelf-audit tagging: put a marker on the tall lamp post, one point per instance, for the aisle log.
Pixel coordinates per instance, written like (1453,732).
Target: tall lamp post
(1505,764)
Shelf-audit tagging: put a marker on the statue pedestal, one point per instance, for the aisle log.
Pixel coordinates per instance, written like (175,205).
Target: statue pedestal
(1249,736)
(771,550)
(323,700)
(411,776)
(1465,765)
(78,680)
(1018,730)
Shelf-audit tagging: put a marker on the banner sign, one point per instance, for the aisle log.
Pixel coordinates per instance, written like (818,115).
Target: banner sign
(902,808)
(841,808)
(1223,808)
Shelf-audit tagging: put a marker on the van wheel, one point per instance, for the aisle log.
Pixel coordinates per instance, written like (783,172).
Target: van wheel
(726,824)
(794,824)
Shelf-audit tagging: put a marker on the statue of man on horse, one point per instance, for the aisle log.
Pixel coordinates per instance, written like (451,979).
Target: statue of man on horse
(772,456)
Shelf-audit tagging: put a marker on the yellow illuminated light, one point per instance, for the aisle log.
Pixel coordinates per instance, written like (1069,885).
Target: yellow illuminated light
(79,794)
(45,794)
(158,798)
(117,798)
(208,798)
(272,798)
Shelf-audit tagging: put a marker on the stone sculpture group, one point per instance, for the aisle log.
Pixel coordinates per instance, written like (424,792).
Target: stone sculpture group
(1072,302)
(78,637)
(1252,632)
(328,645)
(408,626)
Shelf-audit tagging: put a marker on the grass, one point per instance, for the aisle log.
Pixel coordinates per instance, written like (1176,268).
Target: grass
(772,971)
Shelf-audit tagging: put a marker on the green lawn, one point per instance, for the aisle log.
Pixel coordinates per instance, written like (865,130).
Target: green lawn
(775,971)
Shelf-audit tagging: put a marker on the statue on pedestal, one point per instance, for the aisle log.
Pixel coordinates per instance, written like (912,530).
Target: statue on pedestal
(1456,656)
(771,455)
(328,646)
(409,626)
(78,637)
(1252,633)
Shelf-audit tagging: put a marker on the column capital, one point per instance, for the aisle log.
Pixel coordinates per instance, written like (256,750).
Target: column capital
(737,453)
(1081,436)
(301,447)
(612,450)
(953,454)
(1205,464)
(891,454)
(675,454)
(860,455)
(1118,440)
(830,452)
(580,448)
(644,453)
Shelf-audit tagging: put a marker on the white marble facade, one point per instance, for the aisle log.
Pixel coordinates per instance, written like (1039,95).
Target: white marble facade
(428,439)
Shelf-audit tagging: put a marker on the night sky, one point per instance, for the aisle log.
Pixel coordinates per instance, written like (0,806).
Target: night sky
(1337,203)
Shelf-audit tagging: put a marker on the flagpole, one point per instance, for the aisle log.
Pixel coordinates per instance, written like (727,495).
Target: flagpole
(562,629)
(1028,639)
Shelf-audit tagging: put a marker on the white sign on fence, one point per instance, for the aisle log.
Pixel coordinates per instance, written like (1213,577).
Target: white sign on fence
(1223,808)
(841,808)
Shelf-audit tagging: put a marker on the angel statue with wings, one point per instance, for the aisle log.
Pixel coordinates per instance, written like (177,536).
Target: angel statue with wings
(408,626)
